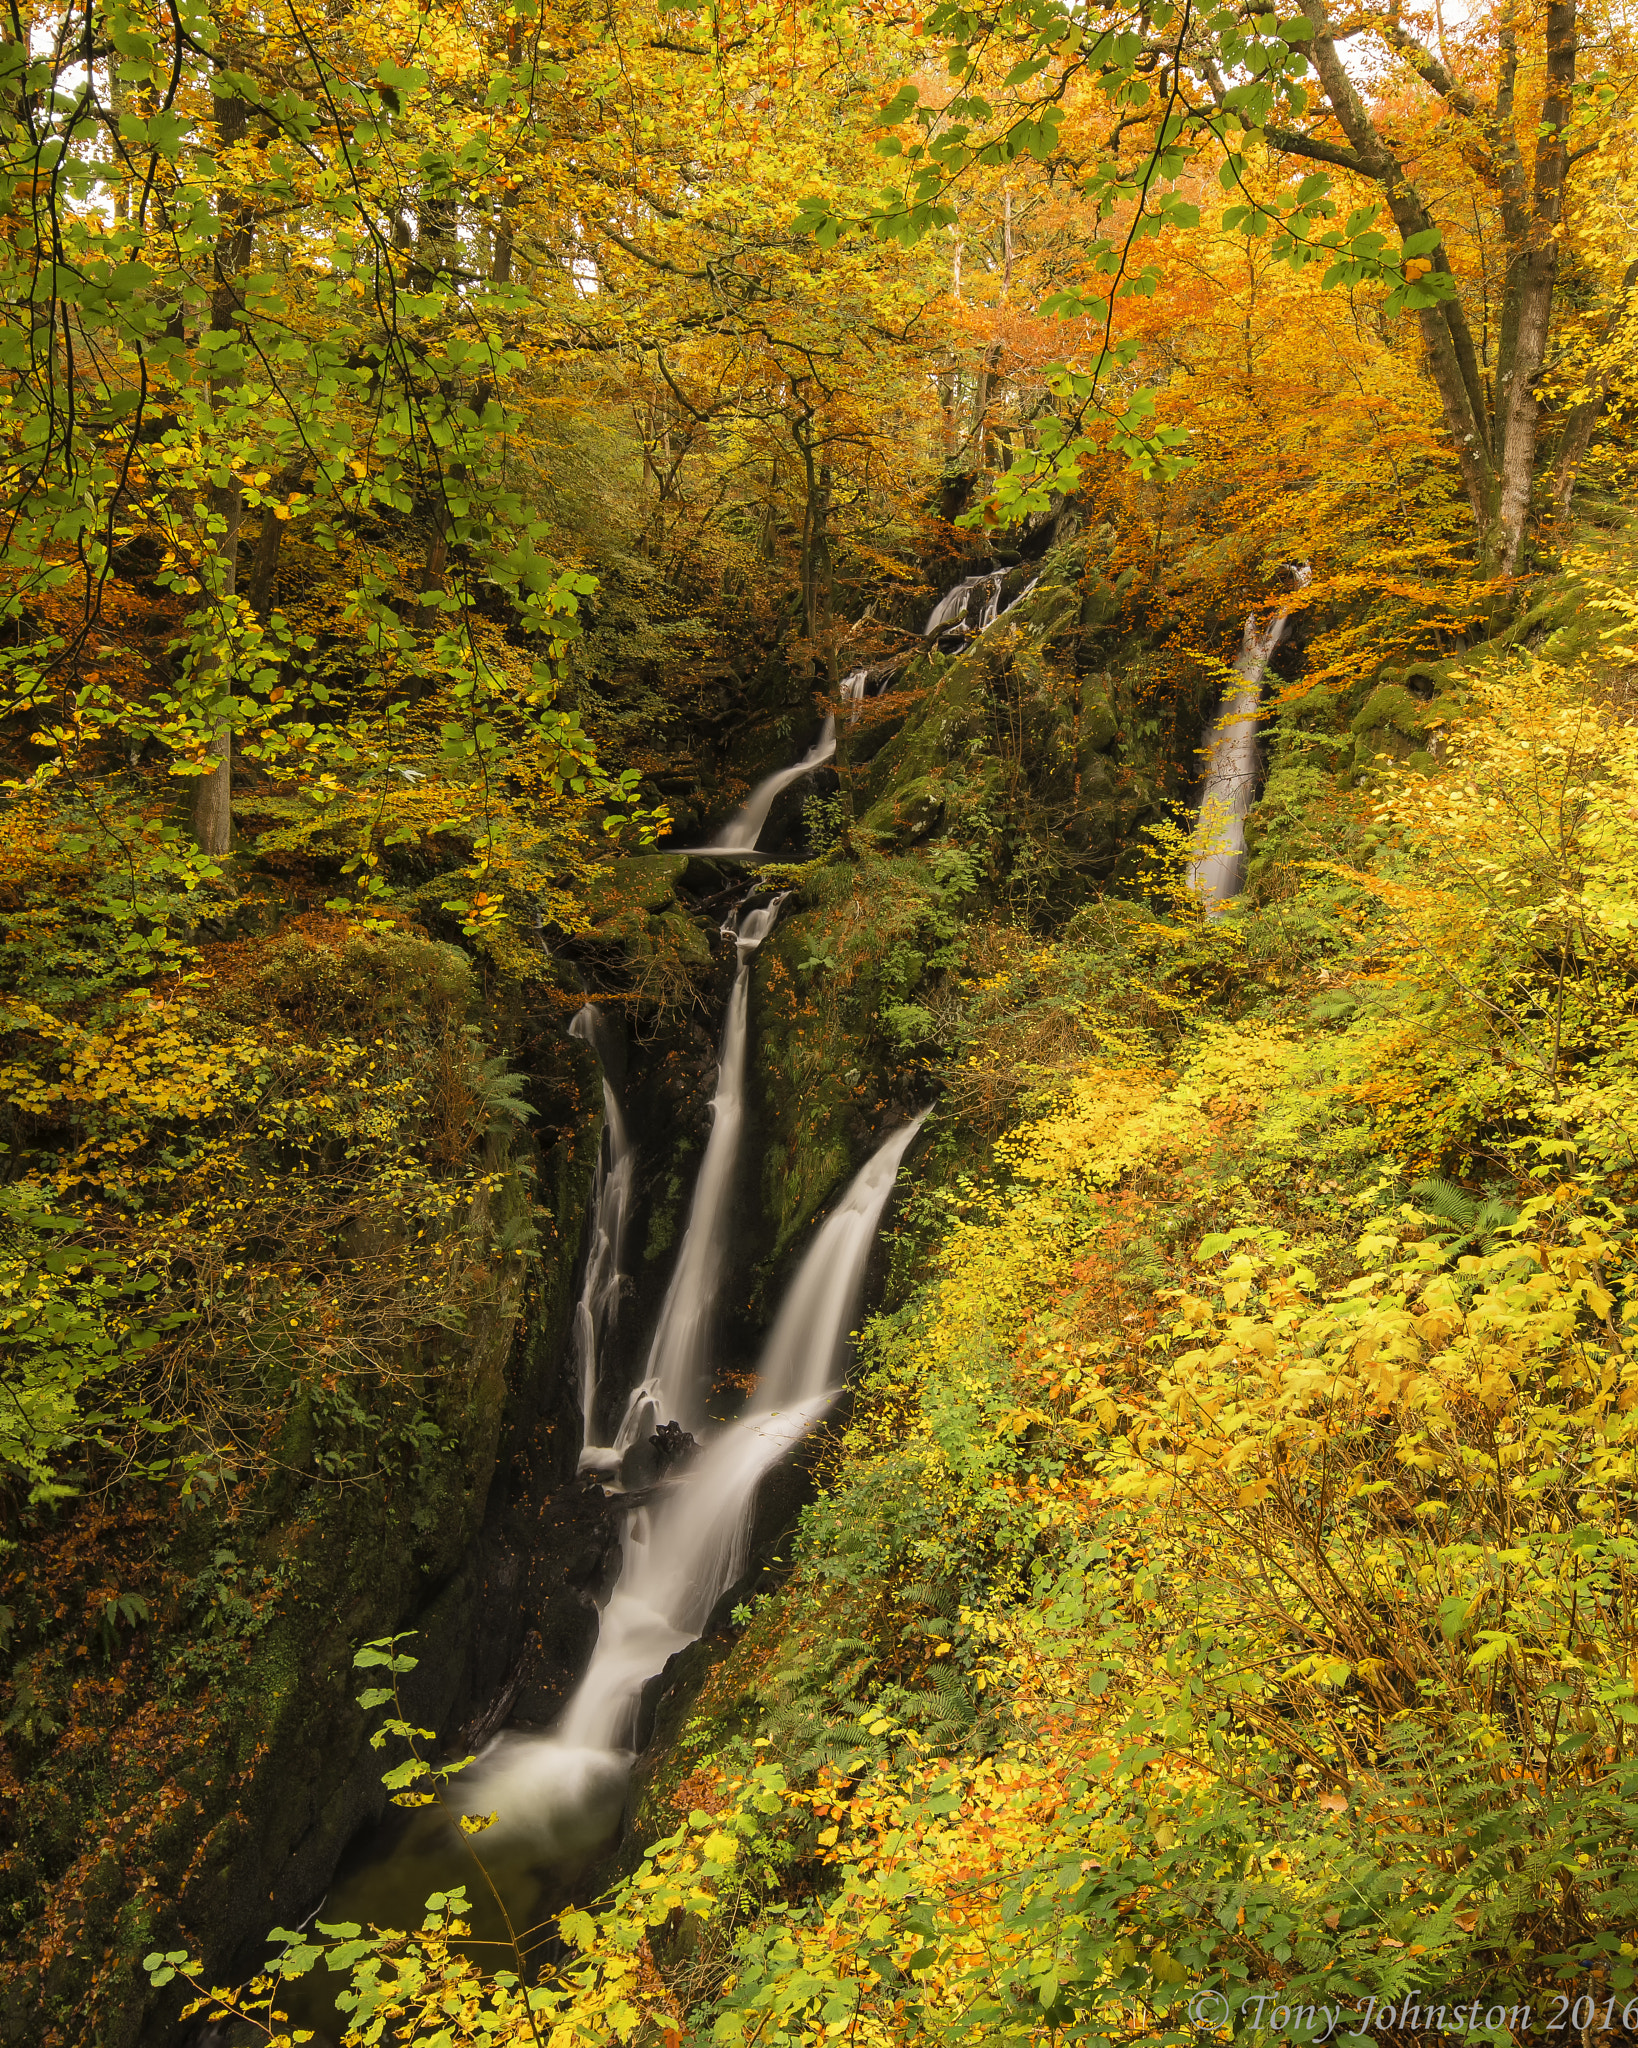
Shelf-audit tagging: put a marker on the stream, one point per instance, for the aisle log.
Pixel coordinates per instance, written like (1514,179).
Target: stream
(687,1490)
(557,1798)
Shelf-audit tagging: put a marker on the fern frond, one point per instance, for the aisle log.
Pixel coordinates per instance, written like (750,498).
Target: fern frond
(1445,1199)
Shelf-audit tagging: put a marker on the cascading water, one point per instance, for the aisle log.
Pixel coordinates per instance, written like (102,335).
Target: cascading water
(684,1549)
(1218,868)
(556,1797)
(688,1546)
(673,1382)
(744,828)
(949,615)
(599,1301)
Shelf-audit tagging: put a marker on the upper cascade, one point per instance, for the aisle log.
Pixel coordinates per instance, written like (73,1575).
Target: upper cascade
(1217,870)
(950,613)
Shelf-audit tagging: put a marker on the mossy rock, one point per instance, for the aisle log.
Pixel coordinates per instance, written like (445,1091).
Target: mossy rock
(826,1071)
(1100,728)
(1391,706)
(359,988)
(1318,710)
(1447,709)
(912,811)
(641,883)
(636,905)
(1559,611)
(1432,676)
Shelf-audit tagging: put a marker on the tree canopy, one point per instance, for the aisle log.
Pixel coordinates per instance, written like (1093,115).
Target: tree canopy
(449,454)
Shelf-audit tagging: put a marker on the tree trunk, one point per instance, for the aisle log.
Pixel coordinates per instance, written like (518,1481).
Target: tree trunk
(1493,426)
(213,798)
(1518,425)
(815,554)
(264,557)
(1532,275)
(1575,436)
(983,389)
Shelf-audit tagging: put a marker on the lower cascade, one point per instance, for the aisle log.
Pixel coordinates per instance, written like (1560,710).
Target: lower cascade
(686,1547)
(552,1799)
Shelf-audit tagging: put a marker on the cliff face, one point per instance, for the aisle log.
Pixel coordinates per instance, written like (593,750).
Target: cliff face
(186,1757)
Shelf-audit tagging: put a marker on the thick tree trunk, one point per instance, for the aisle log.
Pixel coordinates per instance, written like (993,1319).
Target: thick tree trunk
(1493,426)
(1518,426)
(1452,360)
(1532,275)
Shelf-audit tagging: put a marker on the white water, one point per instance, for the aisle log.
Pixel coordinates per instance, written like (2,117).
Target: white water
(687,1546)
(744,828)
(1218,868)
(950,613)
(599,1302)
(556,1798)
(676,1376)
(851,690)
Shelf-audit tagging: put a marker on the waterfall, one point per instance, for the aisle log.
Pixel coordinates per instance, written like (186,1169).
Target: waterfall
(1217,870)
(676,1376)
(687,1546)
(599,1302)
(950,613)
(851,690)
(557,1796)
(744,828)
(685,1550)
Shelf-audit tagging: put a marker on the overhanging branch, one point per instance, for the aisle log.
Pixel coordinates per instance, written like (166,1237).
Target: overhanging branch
(1290,144)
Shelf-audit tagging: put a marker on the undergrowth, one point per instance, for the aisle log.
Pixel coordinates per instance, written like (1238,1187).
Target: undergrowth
(1225,1585)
